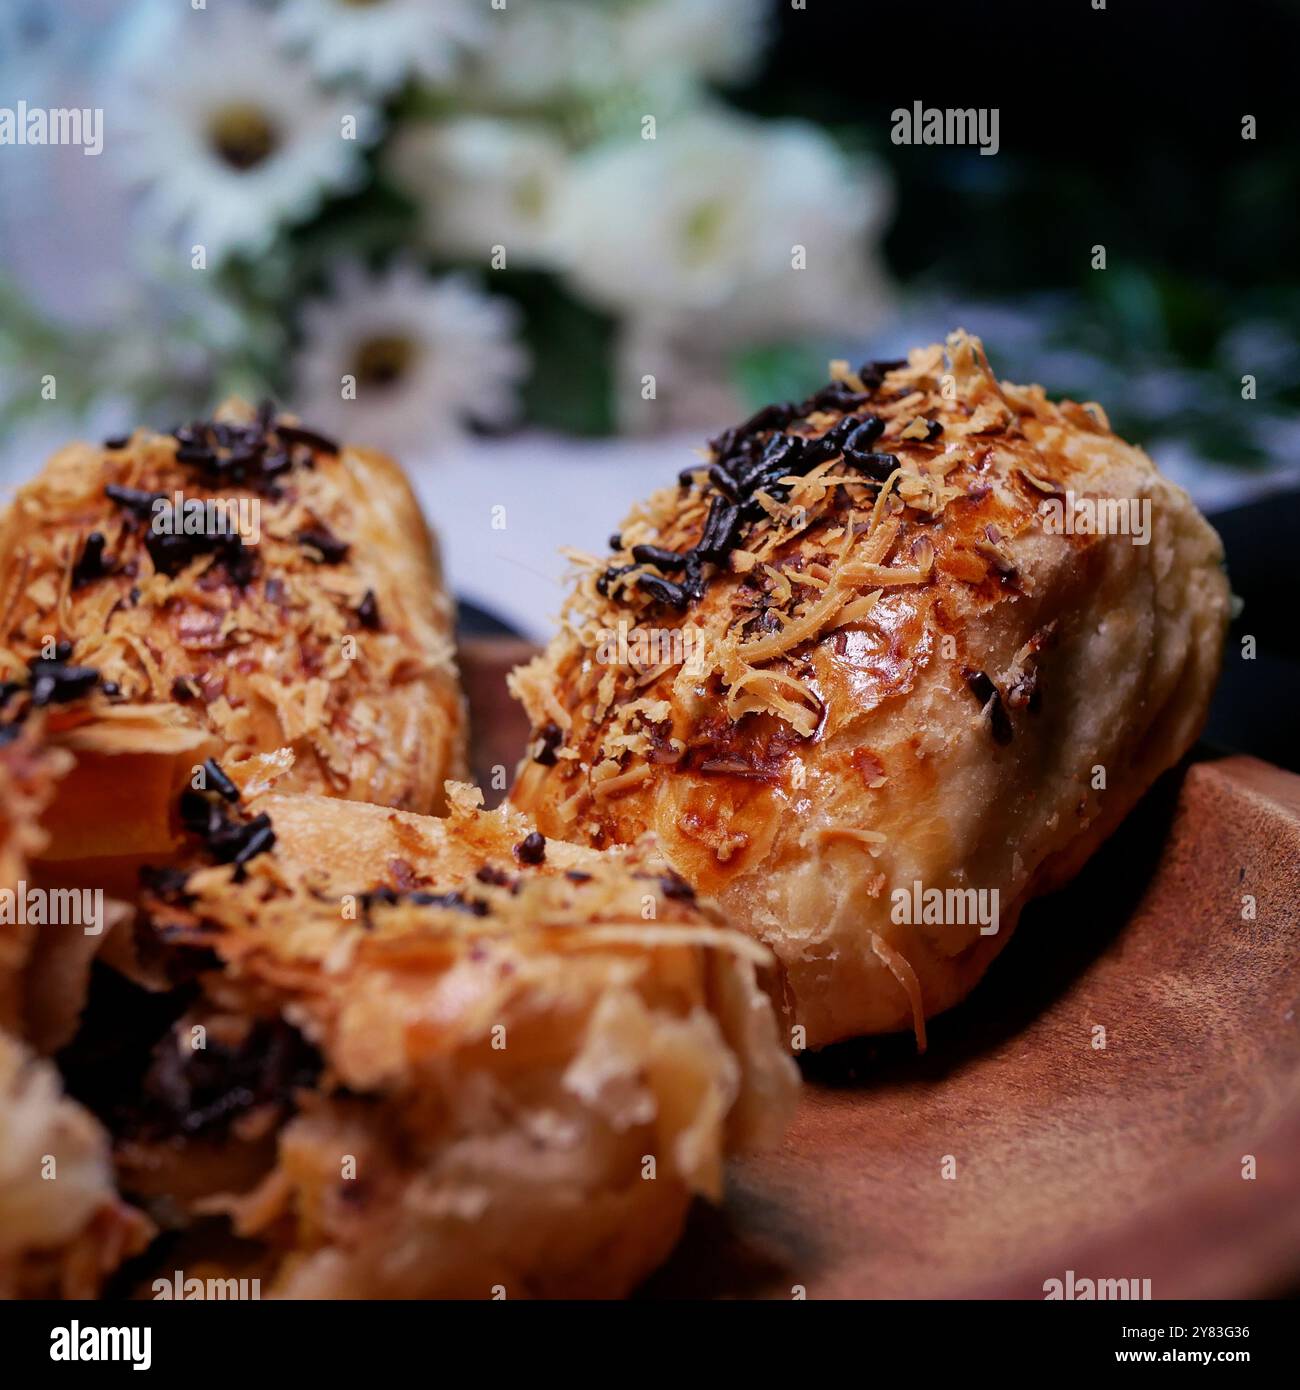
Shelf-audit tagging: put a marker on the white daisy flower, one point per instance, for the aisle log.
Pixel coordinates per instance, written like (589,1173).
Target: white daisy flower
(483,182)
(721,40)
(232,138)
(541,48)
(422,357)
(710,219)
(382,42)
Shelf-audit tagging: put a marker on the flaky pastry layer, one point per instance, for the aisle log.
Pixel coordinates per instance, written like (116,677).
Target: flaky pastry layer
(497,1063)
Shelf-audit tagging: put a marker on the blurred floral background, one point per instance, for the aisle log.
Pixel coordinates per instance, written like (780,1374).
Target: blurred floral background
(454,202)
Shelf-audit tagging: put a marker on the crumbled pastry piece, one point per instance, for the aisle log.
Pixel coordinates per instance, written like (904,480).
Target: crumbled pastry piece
(63,1229)
(885,648)
(308,643)
(435,1062)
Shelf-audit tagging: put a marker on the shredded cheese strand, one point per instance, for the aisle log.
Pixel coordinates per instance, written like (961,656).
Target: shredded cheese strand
(901,969)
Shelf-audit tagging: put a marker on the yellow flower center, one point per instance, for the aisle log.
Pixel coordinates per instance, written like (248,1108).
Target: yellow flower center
(530,196)
(703,230)
(383,361)
(243,135)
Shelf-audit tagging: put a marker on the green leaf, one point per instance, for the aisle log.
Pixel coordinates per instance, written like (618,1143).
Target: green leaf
(571,386)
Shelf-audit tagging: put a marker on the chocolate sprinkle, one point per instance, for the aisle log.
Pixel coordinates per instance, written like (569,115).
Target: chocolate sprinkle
(673,885)
(133,499)
(474,906)
(612,573)
(332,551)
(297,434)
(389,897)
(551,736)
(663,590)
(753,458)
(51,681)
(873,373)
(1000,723)
(171,553)
(531,849)
(669,560)
(226,453)
(219,782)
(227,841)
(982,687)
(876,466)
(368,611)
(90,563)
(54,682)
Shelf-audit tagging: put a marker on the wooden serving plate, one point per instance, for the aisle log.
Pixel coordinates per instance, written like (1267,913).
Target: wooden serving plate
(1117,1162)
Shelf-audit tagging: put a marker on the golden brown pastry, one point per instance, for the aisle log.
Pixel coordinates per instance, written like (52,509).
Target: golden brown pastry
(440,1057)
(29,772)
(242,588)
(46,949)
(63,1229)
(883,667)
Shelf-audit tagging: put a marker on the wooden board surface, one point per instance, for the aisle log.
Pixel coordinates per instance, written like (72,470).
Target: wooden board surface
(1123,1161)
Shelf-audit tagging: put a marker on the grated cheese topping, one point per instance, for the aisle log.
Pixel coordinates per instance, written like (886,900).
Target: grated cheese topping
(322,628)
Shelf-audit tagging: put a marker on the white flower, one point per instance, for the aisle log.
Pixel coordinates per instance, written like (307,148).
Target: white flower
(541,48)
(710,220)
(717,39)
(427,357)
(483,182)
(382,42)
(232,138)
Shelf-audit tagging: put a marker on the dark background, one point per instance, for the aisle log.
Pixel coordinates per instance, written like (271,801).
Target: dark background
(1122,127)
(1125,120)
(1119,127)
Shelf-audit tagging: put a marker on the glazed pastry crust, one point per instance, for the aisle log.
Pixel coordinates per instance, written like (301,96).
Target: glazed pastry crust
(500,1069)
(325,672)
(29,772)
(902,680)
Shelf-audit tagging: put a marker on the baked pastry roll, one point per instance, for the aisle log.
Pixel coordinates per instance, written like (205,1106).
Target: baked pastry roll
(242,588)
(443,1058)
(884,666)
(63,1228)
